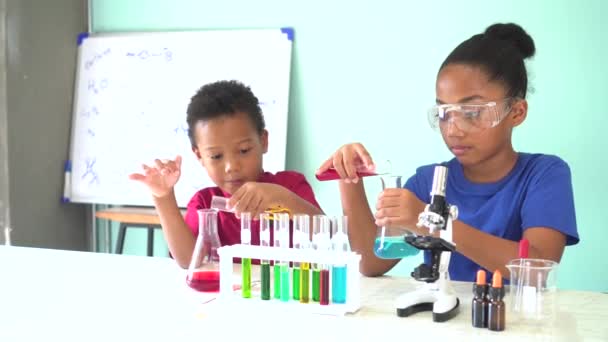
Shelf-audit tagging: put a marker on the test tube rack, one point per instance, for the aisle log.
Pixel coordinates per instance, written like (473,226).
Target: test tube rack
(350,259)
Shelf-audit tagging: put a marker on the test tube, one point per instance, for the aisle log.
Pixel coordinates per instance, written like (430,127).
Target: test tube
(282,221)
(303,224)
(339,243)
(320,273)
(276,228)
(246,262)
(265,263)
(295,270)
(324,279)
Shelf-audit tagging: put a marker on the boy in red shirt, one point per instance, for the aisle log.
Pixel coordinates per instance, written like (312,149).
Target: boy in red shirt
(227,131)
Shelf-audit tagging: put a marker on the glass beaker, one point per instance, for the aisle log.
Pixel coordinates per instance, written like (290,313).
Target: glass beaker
(203,272)
(533,289)
(390,242)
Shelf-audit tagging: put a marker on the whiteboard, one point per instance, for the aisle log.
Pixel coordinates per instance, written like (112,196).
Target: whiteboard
(131,95)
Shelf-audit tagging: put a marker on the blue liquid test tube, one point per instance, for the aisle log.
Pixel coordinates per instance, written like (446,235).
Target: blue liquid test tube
(339,243)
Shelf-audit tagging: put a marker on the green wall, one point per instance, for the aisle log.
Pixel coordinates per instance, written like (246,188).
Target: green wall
(365,71)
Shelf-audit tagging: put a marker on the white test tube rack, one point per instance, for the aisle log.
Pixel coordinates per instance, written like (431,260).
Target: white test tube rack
(350,259)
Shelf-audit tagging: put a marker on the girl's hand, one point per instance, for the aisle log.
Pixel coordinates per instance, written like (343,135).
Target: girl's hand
(399,208)
(347,160)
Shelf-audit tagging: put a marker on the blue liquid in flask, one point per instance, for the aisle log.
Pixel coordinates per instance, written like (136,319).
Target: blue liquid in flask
(394,247)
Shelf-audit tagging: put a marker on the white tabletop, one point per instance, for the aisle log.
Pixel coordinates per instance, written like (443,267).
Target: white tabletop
(76,296)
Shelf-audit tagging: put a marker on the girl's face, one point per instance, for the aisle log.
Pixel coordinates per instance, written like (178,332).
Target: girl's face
(465,84)
(230,149)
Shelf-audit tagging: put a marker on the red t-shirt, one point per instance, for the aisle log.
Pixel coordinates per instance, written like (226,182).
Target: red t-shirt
(228,226)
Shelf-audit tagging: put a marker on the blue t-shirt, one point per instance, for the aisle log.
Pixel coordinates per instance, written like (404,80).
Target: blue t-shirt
(536,193)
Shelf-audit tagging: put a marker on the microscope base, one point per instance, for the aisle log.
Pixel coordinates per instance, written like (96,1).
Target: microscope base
(444,306)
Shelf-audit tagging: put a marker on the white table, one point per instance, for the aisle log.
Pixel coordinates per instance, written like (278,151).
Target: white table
(52,295)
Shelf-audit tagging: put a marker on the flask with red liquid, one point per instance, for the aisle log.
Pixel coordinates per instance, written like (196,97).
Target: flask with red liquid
(204,270)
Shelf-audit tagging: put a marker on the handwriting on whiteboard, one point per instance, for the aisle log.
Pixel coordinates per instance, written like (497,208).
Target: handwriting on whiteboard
(97,86)
(90,172)
(89,63)
(163,53)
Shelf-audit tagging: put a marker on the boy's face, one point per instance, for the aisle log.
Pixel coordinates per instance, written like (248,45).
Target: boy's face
(230,149)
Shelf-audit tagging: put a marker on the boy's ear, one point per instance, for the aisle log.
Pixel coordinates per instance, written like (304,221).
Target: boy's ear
(264,140)
(519,111)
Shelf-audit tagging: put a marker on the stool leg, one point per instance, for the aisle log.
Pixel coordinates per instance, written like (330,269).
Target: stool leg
(122,231)
(150,241)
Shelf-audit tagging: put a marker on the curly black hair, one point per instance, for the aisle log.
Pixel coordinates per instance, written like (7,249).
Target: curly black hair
(222,98)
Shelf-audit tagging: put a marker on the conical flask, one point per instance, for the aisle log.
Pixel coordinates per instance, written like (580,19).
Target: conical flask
(204,270)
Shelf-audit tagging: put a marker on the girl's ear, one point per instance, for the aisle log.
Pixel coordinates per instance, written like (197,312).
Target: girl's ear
(519,112)
(264,141)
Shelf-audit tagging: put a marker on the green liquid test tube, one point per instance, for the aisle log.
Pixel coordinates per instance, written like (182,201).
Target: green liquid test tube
(285,282)
(277,280)
(316,279)
(296,283)
(301,270)
(265,280)
(246,262)
(265,264)
(246,265)
(304,283)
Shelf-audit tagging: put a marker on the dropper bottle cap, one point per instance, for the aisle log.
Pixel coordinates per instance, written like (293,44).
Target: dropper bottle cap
(480,287)
(497,291)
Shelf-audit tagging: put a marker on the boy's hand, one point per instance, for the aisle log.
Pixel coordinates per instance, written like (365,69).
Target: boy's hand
(399,208)
(160,178)
(255,198)
(346,160)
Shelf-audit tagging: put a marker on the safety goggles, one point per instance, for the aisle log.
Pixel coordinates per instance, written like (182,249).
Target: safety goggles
(469,118)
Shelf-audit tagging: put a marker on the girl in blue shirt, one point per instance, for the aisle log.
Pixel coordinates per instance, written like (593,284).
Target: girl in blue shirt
(502,195)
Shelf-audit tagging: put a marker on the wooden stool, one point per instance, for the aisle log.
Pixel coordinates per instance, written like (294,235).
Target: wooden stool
(132,217)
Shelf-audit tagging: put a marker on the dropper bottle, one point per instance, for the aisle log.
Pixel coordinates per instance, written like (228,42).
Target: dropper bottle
(496,307)
(479,306)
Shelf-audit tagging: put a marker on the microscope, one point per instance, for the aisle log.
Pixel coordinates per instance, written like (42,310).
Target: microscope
(437,293)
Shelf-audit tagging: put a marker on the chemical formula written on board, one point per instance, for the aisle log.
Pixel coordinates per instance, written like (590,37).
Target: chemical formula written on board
(144,54)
